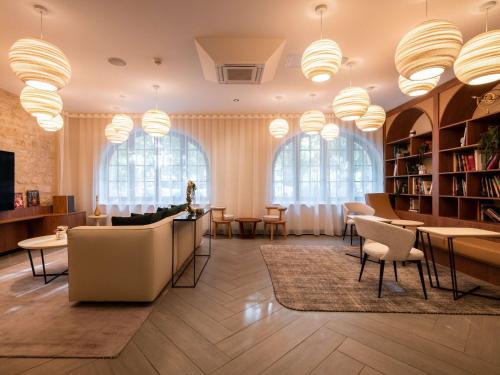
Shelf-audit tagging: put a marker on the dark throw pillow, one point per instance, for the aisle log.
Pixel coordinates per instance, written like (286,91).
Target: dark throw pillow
(132,220)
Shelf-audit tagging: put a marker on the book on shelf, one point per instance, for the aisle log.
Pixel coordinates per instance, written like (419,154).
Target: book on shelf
(490,186)
(488,212)
(395,173)
(420,186)
(493,162)
(458,186)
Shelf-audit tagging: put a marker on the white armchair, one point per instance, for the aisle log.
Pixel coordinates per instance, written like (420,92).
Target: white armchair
(386,242)
(350,208)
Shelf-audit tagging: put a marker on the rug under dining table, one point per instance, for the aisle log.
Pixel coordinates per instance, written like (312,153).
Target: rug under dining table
(37,320)
(323,278)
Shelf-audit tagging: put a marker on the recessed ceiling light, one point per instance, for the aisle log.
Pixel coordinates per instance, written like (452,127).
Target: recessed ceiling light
(236,100)
(116,61)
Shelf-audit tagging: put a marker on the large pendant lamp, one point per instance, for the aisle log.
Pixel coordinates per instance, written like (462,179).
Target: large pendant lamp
(372,120)
(38,63)
(330,132)
(321,59)
(122,122)
(479,59)
(428,49)
(417,88)
(41,104)
(156,123)
(52,125)
(278,128)
(115,136)
(351,103)
(311,122)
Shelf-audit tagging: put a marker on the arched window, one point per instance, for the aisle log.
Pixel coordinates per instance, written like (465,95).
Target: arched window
(308,169)
(148,170)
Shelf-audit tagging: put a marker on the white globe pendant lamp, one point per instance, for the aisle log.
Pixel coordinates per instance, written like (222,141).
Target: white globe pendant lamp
(351,103)
(417,88)
(41,104)
(38,63)
(115,136)
(428,49)
(330,132)
(479,59)
(321,60)
(312,122)
(372,120)
(156,123)
(51,125)
(278,128)
(122,122)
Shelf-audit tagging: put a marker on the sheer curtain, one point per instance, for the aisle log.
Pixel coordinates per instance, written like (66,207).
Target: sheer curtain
(240,156)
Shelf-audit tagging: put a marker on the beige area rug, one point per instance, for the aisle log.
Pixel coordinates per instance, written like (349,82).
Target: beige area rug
(320,278)
(36,320)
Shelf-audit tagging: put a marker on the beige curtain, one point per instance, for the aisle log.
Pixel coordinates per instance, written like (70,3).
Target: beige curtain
(240,152)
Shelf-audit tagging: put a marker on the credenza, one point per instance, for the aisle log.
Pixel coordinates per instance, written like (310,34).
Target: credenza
(26,222)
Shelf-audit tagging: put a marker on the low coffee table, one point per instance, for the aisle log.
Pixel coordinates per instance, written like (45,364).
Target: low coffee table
(253,225)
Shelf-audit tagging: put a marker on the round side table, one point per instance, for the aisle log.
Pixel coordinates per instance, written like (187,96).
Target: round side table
(252,223)
(98,219)
(407,223)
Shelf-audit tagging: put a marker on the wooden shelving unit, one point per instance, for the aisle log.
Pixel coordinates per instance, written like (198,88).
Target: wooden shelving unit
(462,195)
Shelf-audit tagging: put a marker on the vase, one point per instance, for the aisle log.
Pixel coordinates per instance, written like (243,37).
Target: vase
(97,211)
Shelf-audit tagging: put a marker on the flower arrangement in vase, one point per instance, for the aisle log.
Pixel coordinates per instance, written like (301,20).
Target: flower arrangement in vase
(190,194)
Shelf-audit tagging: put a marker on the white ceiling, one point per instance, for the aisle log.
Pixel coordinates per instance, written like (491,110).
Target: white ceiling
(90,31)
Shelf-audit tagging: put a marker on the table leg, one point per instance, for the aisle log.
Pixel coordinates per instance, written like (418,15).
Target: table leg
(425,256)
(44,274)
(31,262)
(431,249)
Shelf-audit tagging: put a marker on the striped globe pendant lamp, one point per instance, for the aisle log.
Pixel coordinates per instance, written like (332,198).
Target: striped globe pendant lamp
(51,125)
(330,132)
(428,49)
(417,88)
(156,123)
(372,120)
(115,136)
(122,122)
(41,104)
(278,128)
(311,122)
(351,103)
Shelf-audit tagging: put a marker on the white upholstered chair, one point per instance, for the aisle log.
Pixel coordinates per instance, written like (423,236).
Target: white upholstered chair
(220,217)
(388,243)
(350,208)
(275,217)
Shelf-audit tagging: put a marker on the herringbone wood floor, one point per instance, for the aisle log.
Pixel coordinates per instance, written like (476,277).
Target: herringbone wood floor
(231,324)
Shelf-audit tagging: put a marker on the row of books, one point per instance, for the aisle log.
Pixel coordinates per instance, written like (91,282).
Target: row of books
(459,186)
(490,186)
(414,205)
(466,162)
(420,186)
(490,213)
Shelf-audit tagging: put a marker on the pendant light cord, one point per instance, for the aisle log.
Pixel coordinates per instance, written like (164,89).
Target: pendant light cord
(426,9)
(321,24)
(350,75)
(487,9)
(156,96)
(41,25)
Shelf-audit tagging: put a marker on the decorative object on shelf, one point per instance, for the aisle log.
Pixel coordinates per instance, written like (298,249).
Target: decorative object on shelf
(312,122)
(417,88)
(351,103)
(428,49)
(190,195)
(330,132)
(51,125)
(97,211)
(156,123)
(413,133)
(422,149)
(33,198)
(322,59)
(38,63)
(479,59)
(489,146)
(18,200)
(278,128)
(488,99)
(372,120)
(122,123)
(41,104)
(115,136)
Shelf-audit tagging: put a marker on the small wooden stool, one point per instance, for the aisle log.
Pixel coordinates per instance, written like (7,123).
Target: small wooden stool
(275,216)
(219,217)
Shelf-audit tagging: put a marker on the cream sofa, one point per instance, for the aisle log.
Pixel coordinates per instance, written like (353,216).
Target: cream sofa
(126,263)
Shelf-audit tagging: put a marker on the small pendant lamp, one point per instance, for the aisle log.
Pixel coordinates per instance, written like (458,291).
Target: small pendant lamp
(156,123)
(351,103)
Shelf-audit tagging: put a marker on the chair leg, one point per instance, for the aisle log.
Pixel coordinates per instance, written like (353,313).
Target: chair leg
(272,231)
(421,274)
(230,230)
(284,230)
(215,231)
(381,277)
(345,231)
(352,225)
(365,256)
(395,271)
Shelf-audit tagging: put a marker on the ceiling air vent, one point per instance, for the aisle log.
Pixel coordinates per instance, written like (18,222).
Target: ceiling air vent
(239,74)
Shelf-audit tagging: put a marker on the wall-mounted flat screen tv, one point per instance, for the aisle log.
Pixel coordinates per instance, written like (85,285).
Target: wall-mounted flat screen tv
(6,180)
